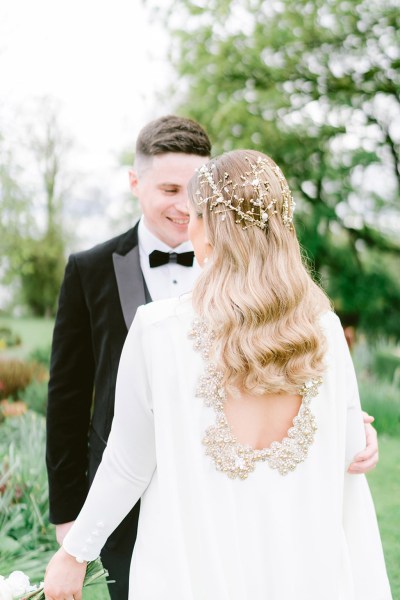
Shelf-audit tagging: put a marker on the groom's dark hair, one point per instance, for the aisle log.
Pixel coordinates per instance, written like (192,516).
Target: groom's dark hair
(172,134)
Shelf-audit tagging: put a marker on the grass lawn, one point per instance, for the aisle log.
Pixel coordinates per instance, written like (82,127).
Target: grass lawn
(96,592)
(385,488)
(34,332)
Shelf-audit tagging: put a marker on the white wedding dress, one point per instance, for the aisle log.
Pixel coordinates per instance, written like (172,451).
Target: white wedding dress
(308,535)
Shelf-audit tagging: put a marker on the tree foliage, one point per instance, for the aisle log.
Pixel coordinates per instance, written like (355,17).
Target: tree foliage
(16,219)
(42,267)
(32,191)
(315,84)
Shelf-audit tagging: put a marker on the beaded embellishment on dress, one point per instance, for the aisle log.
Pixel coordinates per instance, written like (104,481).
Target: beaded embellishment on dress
(229,455)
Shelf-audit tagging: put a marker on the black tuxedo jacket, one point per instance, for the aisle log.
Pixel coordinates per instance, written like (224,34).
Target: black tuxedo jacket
(100,294)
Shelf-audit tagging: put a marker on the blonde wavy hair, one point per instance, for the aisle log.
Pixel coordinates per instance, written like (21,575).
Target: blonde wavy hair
(256,293)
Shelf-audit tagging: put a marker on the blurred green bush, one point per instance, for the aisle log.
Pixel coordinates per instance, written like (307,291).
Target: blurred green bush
(378,371)
(26,379)
(386,364)
(8,338)
(15,375)
(35,396)
(26,538)
(382,400)
(41,356)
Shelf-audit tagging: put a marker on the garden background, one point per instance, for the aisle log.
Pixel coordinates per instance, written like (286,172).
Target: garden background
(315,84)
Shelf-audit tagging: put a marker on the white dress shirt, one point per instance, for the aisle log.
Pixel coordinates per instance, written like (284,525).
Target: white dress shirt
(167,280)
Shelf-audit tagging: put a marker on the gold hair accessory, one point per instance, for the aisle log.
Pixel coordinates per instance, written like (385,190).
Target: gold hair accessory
(226,195)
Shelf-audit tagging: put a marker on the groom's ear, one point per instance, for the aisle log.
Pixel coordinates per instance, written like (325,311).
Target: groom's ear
(133,181)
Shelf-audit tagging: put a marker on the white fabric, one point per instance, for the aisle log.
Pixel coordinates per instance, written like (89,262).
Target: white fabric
(167,280)
(311,535)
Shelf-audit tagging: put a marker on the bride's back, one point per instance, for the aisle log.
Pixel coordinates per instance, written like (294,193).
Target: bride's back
(257,421)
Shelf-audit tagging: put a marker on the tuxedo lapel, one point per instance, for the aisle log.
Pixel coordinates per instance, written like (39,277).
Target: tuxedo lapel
(130,282)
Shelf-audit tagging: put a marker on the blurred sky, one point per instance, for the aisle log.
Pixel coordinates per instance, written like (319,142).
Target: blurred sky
(104,61)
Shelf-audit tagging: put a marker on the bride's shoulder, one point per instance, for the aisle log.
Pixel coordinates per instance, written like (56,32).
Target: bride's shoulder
(329,320)
(332,328)
(161,311)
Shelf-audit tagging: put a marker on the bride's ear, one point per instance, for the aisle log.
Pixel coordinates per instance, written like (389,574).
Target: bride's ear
(207,243)
(208,249)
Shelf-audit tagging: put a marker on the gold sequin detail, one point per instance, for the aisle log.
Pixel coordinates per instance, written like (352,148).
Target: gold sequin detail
(229,455)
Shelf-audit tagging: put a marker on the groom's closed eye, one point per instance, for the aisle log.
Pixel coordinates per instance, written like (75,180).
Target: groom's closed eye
(170,189)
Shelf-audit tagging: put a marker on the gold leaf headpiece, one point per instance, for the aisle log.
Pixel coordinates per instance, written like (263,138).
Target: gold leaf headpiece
(227,195)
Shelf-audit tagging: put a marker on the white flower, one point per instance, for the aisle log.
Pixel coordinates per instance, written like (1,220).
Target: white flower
(5,590)
(19,583)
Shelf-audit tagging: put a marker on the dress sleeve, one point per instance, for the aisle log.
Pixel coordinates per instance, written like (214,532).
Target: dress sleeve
(365,553)
(129,460)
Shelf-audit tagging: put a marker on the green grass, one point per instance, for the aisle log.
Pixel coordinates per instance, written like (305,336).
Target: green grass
(97,592)
(34,332)
(384,482)
(382,400)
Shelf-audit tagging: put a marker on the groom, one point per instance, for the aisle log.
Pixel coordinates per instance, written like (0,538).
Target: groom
(101,291)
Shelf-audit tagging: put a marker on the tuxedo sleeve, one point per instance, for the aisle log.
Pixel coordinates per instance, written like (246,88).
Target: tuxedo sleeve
(69,400)
(129,460)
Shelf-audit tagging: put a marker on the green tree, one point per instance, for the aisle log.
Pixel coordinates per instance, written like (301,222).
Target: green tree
(15,218)
(315,84)
(33,253)
(42,265)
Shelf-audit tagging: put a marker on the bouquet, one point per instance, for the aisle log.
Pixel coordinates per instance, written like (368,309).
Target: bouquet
(17,585)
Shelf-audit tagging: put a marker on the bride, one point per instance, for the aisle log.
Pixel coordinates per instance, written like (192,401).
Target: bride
(237,415)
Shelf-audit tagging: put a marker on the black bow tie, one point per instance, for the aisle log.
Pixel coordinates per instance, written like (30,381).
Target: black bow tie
(158,258)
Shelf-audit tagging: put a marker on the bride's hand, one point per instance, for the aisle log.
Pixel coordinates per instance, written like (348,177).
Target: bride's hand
(64,577)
